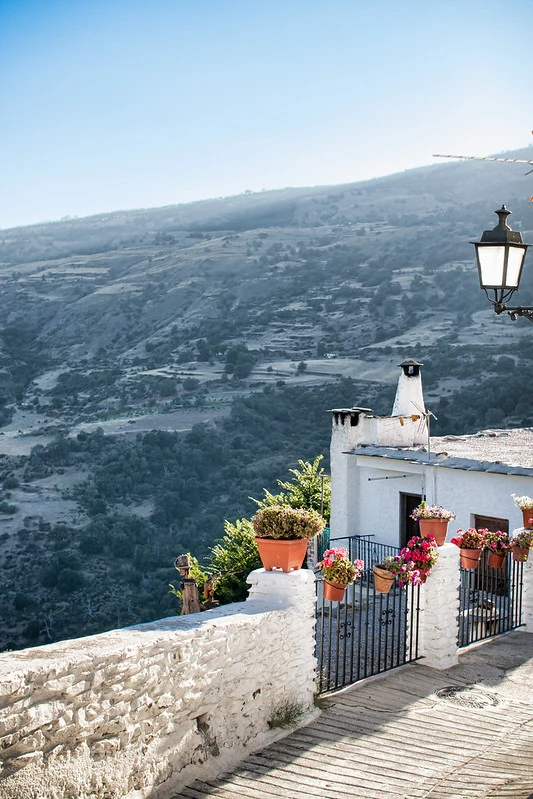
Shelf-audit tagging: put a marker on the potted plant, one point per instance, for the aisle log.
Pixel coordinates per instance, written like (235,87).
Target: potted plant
(498,546)
(526,506)
(338,572)
(416,560)
(520,545)
(470,543)
(282,533)
(385,574)
(433,520)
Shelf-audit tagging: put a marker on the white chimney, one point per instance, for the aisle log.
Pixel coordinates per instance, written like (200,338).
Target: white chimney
(409,397)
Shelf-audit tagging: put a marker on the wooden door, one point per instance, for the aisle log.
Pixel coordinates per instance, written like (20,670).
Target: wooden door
(408,526)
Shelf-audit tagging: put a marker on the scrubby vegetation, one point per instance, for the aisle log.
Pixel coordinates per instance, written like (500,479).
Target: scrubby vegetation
(249,312)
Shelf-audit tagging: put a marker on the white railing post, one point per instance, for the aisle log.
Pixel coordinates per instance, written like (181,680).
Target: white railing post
(439,611)
(527,596)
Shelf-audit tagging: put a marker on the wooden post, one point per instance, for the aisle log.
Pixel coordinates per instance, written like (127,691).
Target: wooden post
(190,602)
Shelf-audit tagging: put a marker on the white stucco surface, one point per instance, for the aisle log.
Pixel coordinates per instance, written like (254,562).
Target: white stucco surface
(131,713)
(439,606)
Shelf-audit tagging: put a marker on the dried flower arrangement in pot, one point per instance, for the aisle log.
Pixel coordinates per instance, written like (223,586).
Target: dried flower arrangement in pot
(433,520)
(282,534)
(526,506)
(520,545)
(498,545)
(470,543)
(338,572)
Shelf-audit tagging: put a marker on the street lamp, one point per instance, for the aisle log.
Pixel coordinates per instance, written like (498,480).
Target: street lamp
(500,257)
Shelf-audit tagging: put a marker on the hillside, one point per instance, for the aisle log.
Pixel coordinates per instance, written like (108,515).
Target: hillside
(228,327)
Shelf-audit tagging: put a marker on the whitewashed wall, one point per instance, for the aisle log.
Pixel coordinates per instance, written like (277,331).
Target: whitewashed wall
(378,513)
(439,608)
(483,493)
(372,506)
(527,596)
(134,712)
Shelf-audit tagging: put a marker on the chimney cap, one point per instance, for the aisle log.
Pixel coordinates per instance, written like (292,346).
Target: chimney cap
(410,362)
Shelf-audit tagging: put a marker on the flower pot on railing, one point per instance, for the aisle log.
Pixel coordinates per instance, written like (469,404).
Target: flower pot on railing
(383,580)
(338,572)
(496,560)
(469,558)
(333,591)
(520,545)
(520,554)
(498,545)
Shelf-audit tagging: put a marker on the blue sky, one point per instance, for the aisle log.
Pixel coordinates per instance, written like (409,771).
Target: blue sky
(115,104)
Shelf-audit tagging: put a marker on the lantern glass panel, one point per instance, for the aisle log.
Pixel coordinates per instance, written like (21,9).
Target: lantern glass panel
(514,266)
(491,265)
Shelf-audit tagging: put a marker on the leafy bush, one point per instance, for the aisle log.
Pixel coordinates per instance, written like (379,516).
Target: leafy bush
(233,558)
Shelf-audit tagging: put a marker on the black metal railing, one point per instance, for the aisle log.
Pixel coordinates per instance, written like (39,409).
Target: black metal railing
(490,600)
(362,547)
(365,634)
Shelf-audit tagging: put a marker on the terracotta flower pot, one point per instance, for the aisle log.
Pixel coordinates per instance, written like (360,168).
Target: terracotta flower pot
(496,560)
(383,580)
(436,527)
(469,557)
(527,514)
(521,554)
(279,554)
(333,591)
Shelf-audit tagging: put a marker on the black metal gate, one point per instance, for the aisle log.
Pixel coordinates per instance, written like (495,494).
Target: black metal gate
(490,600)
(368,632)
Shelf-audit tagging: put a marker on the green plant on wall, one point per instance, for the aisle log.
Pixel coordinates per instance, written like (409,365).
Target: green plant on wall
(233,558)
(310,488)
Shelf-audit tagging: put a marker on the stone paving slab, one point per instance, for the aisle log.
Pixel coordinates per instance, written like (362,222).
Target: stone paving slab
(413,733)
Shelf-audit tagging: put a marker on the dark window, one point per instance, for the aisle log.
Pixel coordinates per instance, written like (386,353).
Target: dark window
(491,523)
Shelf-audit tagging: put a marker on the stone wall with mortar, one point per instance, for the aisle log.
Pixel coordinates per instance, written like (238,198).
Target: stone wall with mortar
(136,712)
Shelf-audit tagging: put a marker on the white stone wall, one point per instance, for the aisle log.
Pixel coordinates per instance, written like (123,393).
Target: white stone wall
(527,594)
(134,712)
(439,609)
(483,493)
(378,513)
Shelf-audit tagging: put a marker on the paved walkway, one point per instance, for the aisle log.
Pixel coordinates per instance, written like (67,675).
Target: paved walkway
(401,736)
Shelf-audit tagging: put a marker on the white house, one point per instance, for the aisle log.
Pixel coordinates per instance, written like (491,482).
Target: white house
(381,467)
